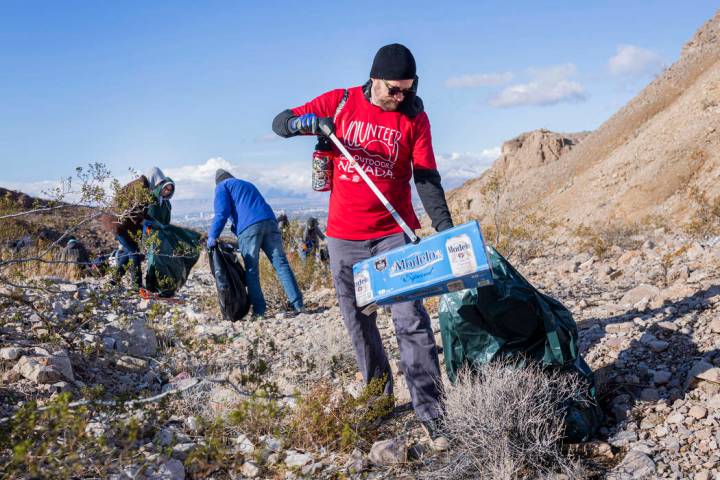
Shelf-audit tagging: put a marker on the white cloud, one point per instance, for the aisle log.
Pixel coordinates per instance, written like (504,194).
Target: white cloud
(479,80)
(631,60)
(548,86)
(455,168)
(198,181)
(281,184)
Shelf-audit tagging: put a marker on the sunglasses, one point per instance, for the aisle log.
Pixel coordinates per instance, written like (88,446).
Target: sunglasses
(393,90)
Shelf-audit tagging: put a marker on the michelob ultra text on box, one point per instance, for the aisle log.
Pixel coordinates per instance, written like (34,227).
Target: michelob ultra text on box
(445,262)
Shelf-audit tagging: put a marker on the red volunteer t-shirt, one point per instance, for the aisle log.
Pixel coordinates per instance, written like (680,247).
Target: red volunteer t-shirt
(388,146)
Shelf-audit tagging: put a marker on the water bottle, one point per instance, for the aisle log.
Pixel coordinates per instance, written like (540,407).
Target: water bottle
(322,166)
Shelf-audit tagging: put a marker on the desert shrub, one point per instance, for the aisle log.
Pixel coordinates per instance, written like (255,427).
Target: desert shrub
(326,418)
(590,240)
(705,221)
(599,239)
(516,233)
(333,352)
(506,422)
(59,442)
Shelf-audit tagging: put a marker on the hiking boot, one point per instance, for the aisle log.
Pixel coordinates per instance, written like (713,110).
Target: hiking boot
(438,437)
(257,317)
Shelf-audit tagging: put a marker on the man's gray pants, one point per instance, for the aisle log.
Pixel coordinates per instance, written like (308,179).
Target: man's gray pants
(418,353)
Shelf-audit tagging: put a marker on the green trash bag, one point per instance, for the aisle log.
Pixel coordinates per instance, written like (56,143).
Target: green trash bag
(171,253)
(510,319)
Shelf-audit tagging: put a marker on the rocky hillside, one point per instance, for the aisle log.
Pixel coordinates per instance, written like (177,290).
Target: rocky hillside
(647,313)
(47,222)
(641,163)
(530,151)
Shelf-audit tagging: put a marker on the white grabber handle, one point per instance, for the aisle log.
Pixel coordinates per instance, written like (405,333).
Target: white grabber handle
(408,231)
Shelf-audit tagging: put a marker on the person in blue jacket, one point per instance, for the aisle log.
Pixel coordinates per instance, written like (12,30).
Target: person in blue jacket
(256,228)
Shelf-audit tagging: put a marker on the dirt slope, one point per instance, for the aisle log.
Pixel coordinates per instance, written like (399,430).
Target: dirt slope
(641,162)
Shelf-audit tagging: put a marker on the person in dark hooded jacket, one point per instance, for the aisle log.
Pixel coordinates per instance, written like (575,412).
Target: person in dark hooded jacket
(147,197)
(162,189)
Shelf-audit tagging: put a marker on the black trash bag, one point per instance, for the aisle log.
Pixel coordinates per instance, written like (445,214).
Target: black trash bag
(230,282)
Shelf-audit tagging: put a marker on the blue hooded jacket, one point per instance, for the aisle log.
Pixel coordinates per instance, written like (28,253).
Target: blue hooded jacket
(241,202)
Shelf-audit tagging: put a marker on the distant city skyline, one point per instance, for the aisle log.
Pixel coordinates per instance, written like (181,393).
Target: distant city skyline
(192,87)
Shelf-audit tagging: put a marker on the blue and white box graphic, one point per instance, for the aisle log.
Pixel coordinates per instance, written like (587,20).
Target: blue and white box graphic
(445,262)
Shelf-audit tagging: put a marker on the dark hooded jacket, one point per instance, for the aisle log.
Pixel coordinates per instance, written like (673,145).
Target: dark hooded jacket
(160,210)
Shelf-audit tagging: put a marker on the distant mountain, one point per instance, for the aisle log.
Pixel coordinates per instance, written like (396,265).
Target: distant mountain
(641,163)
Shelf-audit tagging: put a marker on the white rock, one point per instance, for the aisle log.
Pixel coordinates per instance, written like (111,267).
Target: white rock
(96,429)
(635,295)
(638,465)
(250,469)
(388,452)
(697,412)
(132,364)
(222,398)
(356,462)
(61,362)
(144,342)
(623,439)
(244,444)
(710,375)
(10,353)
(57,308)
(676,418)
(39,369)
(295,459)
(68,287)
(193,424)
(715,325)
(137,339)
(271,443)
(697,369)
(109,343)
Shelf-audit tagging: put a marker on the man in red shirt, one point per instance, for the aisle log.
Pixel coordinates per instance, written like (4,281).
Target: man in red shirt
(384,126)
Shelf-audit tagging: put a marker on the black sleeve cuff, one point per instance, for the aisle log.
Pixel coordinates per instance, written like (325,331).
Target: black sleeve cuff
(432,197)
(280,124)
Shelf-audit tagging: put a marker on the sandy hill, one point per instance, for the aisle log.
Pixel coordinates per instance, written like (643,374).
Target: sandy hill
(641,163)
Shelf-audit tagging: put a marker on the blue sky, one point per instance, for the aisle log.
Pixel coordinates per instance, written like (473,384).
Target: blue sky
(190,86)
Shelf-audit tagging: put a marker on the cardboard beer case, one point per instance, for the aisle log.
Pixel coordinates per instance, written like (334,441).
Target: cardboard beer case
(444,262)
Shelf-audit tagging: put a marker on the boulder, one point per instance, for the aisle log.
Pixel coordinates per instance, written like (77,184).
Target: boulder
(635,295)
(295,459)
(388,452)
(136,339)
(42,369)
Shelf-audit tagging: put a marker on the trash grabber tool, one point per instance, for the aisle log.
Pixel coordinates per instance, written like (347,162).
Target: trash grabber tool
(328,131)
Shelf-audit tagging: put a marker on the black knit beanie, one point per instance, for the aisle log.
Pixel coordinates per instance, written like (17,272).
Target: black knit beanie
(393,62)
(221,175)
